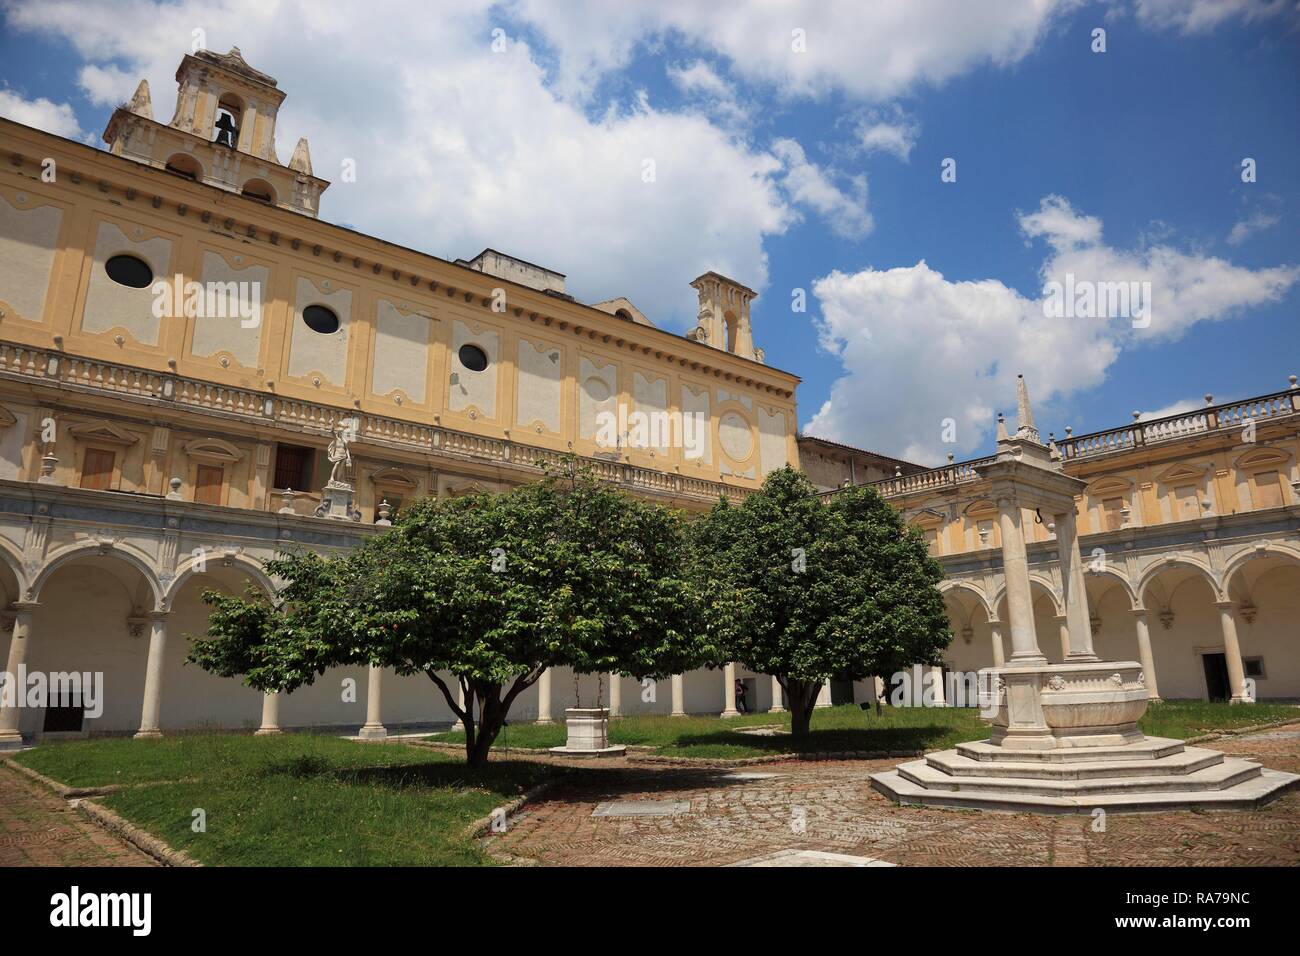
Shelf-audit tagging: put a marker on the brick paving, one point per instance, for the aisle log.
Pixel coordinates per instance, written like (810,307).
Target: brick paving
(830,806)
(38,828)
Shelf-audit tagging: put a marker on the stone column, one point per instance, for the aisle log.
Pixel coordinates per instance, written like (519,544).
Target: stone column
(10,736)
(824,696)
(679,697)
(729,691)
(1232,651)
(1073,589)
(1020,600)
(458,724)
(1063,623)
(544,697)
(374,727)
(270,715)
(1145,657)
(153,677)
(615,695)
(777,707)
(936,681)
(995,632)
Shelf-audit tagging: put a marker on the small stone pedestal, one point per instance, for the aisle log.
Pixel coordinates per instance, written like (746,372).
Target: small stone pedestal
(588,734)
(336,501)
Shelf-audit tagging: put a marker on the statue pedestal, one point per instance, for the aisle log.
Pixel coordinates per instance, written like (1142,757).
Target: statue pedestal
(588,729)
(1065,740)
(336,501)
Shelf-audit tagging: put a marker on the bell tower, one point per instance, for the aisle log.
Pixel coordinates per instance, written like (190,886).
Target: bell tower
(222,133)
(724,316)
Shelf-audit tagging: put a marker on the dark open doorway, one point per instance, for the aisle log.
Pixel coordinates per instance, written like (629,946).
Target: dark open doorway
(1216,676)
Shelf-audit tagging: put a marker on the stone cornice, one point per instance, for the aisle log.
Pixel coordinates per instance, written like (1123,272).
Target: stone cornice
(242,218)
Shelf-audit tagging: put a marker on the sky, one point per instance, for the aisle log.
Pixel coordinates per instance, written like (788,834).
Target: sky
(911,187)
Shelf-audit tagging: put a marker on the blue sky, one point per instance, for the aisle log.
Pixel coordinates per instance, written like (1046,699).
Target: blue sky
(816,169)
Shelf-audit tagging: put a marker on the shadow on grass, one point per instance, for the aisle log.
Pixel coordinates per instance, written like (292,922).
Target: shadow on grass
(831,740)
(507,777)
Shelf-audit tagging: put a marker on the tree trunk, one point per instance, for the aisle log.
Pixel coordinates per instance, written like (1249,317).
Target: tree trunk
(801,694)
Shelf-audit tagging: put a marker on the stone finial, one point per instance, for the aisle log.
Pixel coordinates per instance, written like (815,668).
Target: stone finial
(385,510)
(1209,399)
(301,160)
(898,471)
(174,485)
(286,502)
(1292,380)
(1025,428)
(141,104)
(1002,427)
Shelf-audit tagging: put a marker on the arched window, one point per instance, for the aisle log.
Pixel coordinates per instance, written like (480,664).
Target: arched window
(183,164)
(230,116)
(260,190)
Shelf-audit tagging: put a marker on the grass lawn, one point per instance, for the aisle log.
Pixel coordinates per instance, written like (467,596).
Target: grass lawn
(295,800)
(849,727)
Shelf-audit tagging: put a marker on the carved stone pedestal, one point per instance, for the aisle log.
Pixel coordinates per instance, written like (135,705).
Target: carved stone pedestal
(588,729)
(336,501)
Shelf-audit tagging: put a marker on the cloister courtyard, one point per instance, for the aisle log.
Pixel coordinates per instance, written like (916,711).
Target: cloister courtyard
(696,791)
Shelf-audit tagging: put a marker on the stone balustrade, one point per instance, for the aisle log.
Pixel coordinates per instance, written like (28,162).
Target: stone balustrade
(57,368)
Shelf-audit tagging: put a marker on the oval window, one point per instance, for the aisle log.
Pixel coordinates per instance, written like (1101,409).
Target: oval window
(320,319)
(473,358)
(129,271)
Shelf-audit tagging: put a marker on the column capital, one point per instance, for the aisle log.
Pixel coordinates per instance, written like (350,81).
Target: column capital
(1138,612)
(1225,605)
(24,605)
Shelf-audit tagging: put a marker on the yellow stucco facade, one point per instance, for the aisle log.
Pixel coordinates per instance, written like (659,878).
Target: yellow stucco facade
(159,390)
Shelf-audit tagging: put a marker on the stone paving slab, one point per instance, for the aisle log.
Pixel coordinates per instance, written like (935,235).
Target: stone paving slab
(641,808)
(829,806)
(38,828)
(811,858)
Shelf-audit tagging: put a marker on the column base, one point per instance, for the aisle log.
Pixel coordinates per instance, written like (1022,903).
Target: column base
(730,713)
(373,732)
(776,709)
(267,732)
(11,741)
(1241,700)
(147,734)
(544,720)
(678,713)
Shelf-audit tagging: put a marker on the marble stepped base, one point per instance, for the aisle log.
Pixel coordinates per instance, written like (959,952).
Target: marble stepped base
(1151,774)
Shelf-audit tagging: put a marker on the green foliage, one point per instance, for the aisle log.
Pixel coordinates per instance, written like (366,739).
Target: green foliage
(809,588)
(494,588)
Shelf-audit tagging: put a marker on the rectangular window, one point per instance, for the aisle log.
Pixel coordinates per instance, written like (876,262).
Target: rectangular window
(293,467)
(1267,491)
(1111,508)
(1253,667)
(208,482)
(97,469)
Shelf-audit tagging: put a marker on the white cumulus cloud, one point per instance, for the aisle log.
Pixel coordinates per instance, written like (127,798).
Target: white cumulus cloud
(40,113)
(918,348)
